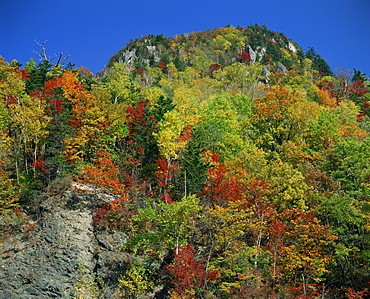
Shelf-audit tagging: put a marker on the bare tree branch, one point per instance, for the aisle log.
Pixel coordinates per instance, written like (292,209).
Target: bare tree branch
(61,60)
(44,57)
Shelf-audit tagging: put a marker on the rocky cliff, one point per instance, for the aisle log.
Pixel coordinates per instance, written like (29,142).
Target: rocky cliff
(60,253)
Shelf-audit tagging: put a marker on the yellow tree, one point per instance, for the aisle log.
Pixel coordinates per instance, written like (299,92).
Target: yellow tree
(270,126)
(86,119)
(11,89)
(109,117)
(287,186)
(305,254)
(175,126)
(120,85)
(228,252)
(8,193)
(23,120)
(29,124)
(168,137)
(240,78)
(347,112)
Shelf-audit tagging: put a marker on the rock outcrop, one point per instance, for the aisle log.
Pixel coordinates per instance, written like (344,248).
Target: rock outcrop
(52,255)
(252,53)
(281,68)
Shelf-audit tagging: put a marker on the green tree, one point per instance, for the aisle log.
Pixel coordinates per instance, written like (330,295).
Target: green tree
(220,129)
(323,131)
(239,77)
(121,86)
(358,76)
(194,168)
(318,63)
(348,163)
(160,227)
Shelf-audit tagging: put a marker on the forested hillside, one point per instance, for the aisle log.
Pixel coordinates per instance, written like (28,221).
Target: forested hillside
(240,164)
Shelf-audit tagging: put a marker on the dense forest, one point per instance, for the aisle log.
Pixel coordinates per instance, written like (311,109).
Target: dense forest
(239,164)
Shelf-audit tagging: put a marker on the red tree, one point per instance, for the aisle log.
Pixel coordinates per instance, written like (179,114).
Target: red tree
(188,273)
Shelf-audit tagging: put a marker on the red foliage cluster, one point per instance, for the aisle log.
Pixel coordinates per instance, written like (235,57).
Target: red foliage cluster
(358,88)
(256,190)
(114,215)
(163,66)
(245,57)
(57,105)
(353,294)
(51,96)
(360,116)
(137,117)
(51,84)
(188,273)
(277,228)
(214,67)
(129,180)
(166,197)
(186,134)
(25,74)
(301,291)
(164,175)
(164,172)
(221,188)
(11,99)
(39,164)
(100,213)
(74,122)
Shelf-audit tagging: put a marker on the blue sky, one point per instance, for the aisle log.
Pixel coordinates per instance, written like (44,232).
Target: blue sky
(91,31)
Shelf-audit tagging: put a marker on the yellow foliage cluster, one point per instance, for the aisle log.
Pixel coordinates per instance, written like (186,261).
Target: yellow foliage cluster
(325,99)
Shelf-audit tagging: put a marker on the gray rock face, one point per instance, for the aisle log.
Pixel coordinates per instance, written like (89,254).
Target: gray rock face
(265,73)
(252,53)
(291,47)
(281,68)
(261,53)
(43,259)
(127,57)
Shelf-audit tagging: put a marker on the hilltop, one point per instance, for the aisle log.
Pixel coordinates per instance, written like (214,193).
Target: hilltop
(219,47)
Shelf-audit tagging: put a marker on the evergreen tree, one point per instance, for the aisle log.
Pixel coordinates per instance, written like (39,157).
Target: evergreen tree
(358,76)
(318,63)
(194,167)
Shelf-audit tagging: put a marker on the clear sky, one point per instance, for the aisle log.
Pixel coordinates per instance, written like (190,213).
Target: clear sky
(91,31)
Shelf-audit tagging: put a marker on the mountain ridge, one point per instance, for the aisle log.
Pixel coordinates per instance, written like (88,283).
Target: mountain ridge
(228,44)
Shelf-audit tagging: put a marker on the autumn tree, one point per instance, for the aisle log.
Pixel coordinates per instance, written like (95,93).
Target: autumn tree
(189,275)
(163,226)
(269,117)
(8,194)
